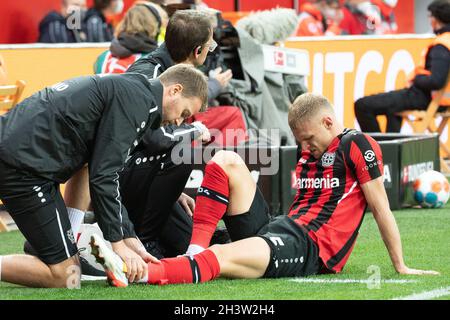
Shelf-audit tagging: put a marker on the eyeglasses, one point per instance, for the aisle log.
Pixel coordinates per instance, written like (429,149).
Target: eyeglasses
(212,46)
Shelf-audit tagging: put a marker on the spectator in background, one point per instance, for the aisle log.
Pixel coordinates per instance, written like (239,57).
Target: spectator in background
(318,18)
(387,24)
(64,26)
(3,78)
(430,75)
(368,17)
(353,21)
(136,37)
(96,26)
(187,41)
(161,7)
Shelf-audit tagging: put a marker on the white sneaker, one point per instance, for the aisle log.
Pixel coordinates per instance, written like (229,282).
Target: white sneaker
(115,268)
(84,249)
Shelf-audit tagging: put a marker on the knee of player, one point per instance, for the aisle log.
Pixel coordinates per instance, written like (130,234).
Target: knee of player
(227,160)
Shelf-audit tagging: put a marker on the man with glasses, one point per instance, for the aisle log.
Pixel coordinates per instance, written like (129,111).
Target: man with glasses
(189,38)
(151,190)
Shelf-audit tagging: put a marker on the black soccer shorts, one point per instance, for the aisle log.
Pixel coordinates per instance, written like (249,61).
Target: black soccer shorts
(292,252)
(38,209)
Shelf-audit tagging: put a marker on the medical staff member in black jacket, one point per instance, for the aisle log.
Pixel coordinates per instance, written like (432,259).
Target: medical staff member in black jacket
(95,120)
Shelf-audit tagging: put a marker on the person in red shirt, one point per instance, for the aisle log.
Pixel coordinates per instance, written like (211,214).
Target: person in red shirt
(354,22)
(318,18)
(339,174)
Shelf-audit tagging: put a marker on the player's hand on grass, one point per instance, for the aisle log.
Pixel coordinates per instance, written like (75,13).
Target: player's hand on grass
(136,266)
(187,203)
(408,271)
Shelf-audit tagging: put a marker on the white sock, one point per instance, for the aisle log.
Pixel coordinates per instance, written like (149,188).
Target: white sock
(194,249)
(1,258)
(76,218)
(144,279)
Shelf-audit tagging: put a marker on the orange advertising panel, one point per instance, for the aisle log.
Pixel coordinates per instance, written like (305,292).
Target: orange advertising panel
(347,68)
(43,65)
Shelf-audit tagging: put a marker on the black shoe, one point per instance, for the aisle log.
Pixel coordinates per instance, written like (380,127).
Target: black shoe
(220,236)
(89,270)
(155,249)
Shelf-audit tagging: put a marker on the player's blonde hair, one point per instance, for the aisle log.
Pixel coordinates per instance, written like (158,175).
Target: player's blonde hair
(305,107)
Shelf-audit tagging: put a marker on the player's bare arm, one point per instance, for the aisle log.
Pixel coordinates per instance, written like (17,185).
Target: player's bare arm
(377,201)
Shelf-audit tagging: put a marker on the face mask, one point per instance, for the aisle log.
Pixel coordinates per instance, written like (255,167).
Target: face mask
(119,7)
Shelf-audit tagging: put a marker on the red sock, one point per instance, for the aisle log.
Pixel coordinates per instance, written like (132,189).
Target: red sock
(199,268)
(211,204)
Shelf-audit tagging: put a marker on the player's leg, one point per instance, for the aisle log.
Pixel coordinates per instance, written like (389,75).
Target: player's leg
(39,211)
(30,271)
(227,188)
(77,198)
(243,259)
(159,201)
(176,234)
(150,195)
(282,248)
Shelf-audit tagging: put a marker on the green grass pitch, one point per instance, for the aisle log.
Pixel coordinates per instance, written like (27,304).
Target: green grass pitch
(426,244)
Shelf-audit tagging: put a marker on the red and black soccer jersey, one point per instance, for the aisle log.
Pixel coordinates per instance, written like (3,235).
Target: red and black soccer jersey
(330,203)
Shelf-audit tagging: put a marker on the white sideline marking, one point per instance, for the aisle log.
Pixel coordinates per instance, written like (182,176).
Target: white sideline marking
(91,278)
(364,281)
(427,295)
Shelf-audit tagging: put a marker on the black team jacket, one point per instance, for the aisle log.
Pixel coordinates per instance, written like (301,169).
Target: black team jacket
(97,120)
(163,140)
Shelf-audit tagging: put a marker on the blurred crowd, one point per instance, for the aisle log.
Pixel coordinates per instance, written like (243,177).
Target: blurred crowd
(352,17)
(74,22)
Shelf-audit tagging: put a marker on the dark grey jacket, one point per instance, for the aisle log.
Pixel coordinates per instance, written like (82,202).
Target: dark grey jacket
(97,120)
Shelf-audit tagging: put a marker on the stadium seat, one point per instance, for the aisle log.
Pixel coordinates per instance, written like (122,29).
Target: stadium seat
(10,95)
(422,120)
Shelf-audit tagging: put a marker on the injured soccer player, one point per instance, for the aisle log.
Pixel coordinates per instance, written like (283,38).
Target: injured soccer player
(339,174)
